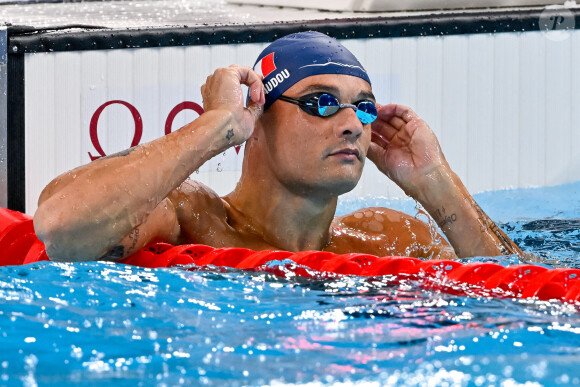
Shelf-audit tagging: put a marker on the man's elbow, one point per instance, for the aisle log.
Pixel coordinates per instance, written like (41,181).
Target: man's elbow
(59,241)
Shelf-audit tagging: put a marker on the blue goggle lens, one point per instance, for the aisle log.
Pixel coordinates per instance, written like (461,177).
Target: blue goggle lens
(366,112)
(327,105)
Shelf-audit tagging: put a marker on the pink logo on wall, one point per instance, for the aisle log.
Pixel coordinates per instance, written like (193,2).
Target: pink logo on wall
(138,131)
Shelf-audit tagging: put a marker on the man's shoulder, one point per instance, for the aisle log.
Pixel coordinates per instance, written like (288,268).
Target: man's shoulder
(195,188)
(375,219)
(194,197)
(384,231)
(385,224)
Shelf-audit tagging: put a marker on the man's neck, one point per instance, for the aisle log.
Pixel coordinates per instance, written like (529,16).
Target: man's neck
(282,218)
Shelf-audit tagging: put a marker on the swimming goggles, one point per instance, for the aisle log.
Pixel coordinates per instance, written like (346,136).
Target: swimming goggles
(325,105)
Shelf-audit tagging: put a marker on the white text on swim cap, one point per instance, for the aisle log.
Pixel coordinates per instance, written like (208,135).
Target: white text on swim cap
(275,81)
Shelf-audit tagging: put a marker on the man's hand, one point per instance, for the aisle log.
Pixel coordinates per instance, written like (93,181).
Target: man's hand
(223,91)
(404,148)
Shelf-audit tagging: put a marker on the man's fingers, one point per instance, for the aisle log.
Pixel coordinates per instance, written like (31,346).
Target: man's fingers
(375,154)
(405,113)
(257,93)
(387,112)
(256,109)
(379,139)
(253,80)
(397,123)
(384,129)
(394,121)
(247,75)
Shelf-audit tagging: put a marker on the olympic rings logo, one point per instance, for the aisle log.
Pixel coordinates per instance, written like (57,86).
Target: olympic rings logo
(138,131)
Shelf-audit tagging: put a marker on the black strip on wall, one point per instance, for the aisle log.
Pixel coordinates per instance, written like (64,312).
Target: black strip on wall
(449,23)
(16,170)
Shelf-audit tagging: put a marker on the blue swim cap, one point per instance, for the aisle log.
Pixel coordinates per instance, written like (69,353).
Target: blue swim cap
(297,56)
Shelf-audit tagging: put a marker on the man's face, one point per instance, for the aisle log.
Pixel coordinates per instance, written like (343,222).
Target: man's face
(311,154)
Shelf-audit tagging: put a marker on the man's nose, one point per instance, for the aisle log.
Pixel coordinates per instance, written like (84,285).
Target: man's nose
(349,127)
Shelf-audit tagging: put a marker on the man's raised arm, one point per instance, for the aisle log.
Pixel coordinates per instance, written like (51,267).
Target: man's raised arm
(405,149)
(115,205)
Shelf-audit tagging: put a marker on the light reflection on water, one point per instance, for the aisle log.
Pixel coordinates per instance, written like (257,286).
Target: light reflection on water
(94,323)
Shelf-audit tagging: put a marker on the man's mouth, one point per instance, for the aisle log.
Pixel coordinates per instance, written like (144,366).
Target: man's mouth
(347,154)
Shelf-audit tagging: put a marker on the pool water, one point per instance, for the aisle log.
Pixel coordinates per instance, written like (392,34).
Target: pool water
(97,323)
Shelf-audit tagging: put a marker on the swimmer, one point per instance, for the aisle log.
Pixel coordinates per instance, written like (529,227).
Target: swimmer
(310,123)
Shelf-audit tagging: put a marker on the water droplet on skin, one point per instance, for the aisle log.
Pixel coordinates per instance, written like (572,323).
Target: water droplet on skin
(181,204)
(375,226)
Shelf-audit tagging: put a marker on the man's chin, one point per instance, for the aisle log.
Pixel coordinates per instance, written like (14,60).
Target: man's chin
(324,188)
(340,186)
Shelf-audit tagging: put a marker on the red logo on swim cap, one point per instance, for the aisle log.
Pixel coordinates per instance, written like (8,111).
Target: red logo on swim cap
(267,65)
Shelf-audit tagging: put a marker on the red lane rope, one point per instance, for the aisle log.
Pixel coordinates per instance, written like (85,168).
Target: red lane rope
(19,245)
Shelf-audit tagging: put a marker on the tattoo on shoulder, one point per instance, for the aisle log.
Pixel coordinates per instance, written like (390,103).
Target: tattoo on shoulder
(230,134)
(123,153)
(114,254)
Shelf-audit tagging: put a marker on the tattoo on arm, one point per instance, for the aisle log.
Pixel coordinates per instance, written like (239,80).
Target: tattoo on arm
(230,134)
(119,251)
(443,219)
(135,237)
(123,153)
(114,254)
(506,246)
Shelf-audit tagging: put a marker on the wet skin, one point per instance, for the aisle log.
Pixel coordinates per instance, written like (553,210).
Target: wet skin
(205,218)
(296,157)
